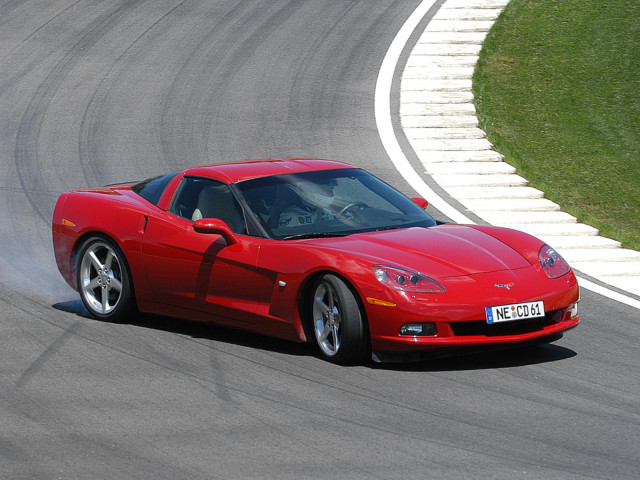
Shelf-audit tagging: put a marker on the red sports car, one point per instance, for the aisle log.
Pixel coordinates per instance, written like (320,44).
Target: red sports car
(309,250)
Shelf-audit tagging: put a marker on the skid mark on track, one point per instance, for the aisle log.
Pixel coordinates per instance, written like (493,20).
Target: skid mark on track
(27,157)
(48,353)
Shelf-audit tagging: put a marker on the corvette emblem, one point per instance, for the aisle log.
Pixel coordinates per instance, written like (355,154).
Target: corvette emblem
(508,286)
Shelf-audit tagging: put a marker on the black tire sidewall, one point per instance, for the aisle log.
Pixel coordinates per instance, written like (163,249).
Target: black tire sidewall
(352,329)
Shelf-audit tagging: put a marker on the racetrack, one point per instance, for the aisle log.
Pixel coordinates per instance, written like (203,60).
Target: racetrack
(93,93)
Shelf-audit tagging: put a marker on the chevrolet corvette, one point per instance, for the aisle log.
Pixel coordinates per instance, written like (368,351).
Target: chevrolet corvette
(310,251)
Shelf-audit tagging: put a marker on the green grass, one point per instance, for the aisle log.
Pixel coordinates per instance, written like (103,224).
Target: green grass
(557,90)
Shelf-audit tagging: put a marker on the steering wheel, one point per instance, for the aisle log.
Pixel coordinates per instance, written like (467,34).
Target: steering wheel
(358,205)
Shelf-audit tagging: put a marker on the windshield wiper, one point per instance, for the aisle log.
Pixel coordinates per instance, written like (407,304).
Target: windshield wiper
(394,227)
(300,236)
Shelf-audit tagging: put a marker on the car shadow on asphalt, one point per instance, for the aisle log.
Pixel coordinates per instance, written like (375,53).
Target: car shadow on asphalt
(483,360)
(486,360)
(200,330)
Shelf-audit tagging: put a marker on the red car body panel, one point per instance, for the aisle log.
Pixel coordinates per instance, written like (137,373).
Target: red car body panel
(258,284)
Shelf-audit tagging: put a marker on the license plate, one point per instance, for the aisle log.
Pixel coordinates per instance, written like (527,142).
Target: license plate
(516,311)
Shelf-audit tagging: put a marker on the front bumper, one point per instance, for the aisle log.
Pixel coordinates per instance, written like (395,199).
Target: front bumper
(459,316)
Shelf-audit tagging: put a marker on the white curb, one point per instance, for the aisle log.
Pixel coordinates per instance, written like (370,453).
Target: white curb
(439,120)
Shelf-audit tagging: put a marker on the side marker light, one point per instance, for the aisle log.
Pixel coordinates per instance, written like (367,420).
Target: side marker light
(380,303)
(574,310)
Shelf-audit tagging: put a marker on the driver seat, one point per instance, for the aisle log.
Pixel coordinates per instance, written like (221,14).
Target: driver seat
(218,202)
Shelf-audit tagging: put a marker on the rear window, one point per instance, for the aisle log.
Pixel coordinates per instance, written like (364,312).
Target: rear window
(151,189)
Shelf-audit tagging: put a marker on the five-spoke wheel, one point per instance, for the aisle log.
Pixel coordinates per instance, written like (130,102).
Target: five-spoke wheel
(103,279)
(337,321)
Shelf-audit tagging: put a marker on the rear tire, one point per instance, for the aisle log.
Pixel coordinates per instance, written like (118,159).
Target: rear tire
(337,321)
(104,281)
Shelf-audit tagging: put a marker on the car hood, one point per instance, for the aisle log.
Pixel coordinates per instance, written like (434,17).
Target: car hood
(443,251)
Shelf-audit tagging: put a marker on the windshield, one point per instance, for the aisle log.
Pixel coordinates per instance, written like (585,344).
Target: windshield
(329,202)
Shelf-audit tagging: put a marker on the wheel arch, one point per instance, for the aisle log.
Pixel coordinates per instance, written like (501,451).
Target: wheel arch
(305,302)
(82,238)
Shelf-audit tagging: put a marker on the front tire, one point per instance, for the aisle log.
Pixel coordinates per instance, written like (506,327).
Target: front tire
(338,324)
(104,281)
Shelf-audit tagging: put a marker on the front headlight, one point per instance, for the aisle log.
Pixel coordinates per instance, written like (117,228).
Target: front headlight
(552,263)
(406,280)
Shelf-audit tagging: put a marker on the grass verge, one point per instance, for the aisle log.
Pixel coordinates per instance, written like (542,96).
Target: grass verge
(557,90)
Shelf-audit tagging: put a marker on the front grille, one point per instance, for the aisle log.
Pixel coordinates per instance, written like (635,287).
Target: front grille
(518,327)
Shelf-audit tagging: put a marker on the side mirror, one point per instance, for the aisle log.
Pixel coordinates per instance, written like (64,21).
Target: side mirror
(217,227)
(421,202)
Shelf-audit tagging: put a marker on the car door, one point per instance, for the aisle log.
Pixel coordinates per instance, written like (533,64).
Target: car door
(201,271)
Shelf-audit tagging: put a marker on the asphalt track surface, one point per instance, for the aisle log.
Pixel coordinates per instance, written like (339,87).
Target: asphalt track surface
(98,92)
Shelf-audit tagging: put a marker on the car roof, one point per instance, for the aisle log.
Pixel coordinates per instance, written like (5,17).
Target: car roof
(239,171)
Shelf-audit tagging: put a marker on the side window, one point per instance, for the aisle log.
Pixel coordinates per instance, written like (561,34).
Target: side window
(198,198)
